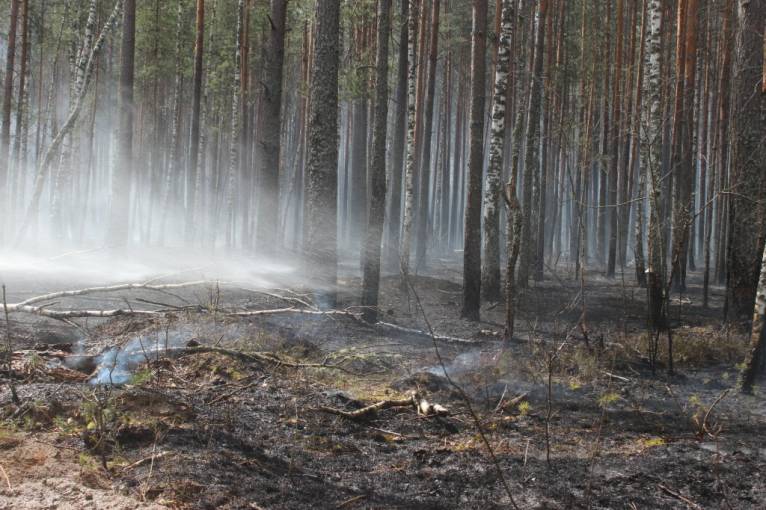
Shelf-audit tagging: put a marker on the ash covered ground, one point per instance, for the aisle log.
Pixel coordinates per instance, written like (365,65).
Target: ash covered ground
(211,410)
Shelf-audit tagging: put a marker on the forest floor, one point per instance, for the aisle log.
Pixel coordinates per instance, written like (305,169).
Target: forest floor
(573,420)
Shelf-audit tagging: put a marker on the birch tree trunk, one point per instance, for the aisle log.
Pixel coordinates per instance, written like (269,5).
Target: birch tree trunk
(652,159)
(410,168)
(400,132)
(30,216)
(753,364)
(490,274)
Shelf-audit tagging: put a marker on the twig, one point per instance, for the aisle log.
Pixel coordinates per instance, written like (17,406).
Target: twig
(680,497)
(151,458)
(5,475)
(351,501)
(710,409)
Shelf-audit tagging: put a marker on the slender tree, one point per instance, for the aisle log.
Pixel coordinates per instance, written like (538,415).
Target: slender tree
(191,171)
(5,122)
(472,231)
(412,122)
(490,274)
(371,248)
(425,164)
(531,160)
(399,135)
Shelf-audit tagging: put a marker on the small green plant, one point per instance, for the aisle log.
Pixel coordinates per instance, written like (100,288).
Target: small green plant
(102,419)
(524,408)
(654,441)
(141,377)
(608,398)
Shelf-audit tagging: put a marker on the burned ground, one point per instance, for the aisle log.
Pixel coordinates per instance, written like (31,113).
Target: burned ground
(211,430)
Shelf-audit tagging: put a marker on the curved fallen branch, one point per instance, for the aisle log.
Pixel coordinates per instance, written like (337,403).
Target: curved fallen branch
(420,404)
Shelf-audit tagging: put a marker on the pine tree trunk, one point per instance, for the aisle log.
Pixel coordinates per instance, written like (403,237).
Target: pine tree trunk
(320,233)
(748,163)
(472,231)
(191,171)
(615,144)
(121,177)
(357,189)
(425,166)
(235,139)
(21,113)
(5,122)
(269,146)
(175,124)
(531,159)
(371,248)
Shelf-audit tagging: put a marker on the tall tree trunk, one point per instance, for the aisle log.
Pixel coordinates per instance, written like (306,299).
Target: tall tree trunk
(357,189)
(320,233)
(270,128)
(686,169)
(652,159)
(191,171)
(472,231)
(397,145)
(748,163)
(371,248)
(21,111)
(121,178)
(615,144)
(425,166)
(5,122)
(532,156)
(633,160)
(490,275)
(412,121)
